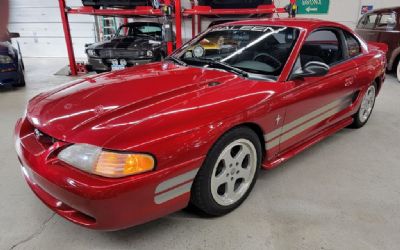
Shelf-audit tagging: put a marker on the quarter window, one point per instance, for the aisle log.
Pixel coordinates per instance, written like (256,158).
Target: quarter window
(353,46)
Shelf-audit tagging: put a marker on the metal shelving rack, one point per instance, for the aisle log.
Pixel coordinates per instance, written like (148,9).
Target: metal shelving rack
(195,11)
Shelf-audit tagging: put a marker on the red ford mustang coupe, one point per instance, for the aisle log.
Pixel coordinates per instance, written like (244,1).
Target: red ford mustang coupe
(123,148)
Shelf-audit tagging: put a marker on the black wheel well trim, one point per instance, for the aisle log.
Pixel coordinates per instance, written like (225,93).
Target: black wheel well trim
(379,82)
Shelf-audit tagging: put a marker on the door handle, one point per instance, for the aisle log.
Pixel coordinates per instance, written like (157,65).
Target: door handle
(348,82)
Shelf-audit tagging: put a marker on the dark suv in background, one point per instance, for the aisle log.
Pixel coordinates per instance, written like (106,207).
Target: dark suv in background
(383,25)
(12,70)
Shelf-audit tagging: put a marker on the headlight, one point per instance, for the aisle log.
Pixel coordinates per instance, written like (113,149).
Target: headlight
(91,52)
(149,53)
(6,59)
(97,161)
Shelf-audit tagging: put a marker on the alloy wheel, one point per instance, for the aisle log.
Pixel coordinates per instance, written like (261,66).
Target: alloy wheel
(233,172)
(367,104)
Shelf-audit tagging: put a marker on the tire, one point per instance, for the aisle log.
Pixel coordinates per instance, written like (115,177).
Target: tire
(367,106)
(398,70)
(21,78)
(222,172)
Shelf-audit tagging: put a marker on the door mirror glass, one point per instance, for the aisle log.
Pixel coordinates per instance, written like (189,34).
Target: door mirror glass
(311,69)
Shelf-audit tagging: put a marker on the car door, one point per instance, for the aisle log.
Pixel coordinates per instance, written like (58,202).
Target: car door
(366,28)
(314,103)
(386,31)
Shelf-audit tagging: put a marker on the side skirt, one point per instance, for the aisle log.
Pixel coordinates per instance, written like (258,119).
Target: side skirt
(307,144)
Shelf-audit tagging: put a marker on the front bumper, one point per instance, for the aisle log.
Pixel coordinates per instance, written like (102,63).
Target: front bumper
(101,64)
(96,202)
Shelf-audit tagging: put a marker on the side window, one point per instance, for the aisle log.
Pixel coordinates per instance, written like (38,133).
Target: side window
(361,22)
(353,46)
(387,21)
(369,21)
(322,46)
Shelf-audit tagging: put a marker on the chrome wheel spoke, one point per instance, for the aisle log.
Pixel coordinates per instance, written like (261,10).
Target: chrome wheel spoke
(230,190)
(221,179)
(241,156)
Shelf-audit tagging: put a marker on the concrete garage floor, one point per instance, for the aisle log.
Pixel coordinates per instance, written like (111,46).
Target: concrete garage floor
(343,193)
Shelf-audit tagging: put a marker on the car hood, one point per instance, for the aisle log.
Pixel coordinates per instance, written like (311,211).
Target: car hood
(95,110)
(126,43)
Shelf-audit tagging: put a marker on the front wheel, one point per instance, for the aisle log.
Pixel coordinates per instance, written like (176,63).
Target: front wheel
(367,105)
(228,173)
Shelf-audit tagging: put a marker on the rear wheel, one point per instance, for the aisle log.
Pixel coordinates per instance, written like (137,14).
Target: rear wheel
(398,70)
(228,173)
(367,105)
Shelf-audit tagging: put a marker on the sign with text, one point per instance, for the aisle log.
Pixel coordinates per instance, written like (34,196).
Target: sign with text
(313,6)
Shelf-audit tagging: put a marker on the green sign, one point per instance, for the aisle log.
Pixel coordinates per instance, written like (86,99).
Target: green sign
(312,6)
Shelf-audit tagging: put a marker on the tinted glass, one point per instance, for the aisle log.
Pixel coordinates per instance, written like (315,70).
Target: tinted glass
(151,30)
(255,49)
(353,46)
(322,46)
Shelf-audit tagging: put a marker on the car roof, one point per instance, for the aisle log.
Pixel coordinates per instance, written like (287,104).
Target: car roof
(390,9)
(304,23)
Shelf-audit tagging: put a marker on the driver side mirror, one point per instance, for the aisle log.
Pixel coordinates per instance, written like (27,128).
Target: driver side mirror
(312,69)
(14,35)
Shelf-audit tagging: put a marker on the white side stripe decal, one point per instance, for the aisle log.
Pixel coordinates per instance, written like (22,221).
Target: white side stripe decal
(280,135)
(177,188)
(164,197)
(301,120)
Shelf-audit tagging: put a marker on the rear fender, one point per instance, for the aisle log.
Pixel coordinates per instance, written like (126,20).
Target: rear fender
(378,46)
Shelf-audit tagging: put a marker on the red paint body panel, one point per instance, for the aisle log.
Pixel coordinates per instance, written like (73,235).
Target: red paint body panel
(175,114)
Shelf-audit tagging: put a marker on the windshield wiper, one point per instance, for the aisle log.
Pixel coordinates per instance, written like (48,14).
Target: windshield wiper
(220,65)
(176,60)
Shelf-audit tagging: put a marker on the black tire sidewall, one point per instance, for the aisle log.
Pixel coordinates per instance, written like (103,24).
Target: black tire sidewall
(201,190)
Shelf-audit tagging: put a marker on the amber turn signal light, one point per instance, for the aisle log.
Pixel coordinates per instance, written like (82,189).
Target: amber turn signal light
(112,164)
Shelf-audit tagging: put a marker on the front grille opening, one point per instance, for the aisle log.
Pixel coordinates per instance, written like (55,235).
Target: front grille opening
(44,138)
(74,215)
(82,218)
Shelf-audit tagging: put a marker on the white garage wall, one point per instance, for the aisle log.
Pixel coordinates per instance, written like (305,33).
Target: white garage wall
(39,23)
(347,12)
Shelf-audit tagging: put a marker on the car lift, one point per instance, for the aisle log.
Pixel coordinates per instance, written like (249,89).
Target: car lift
(194,12)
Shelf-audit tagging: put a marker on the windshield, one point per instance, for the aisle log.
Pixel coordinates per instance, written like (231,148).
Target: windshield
(257,50)
(152,30)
